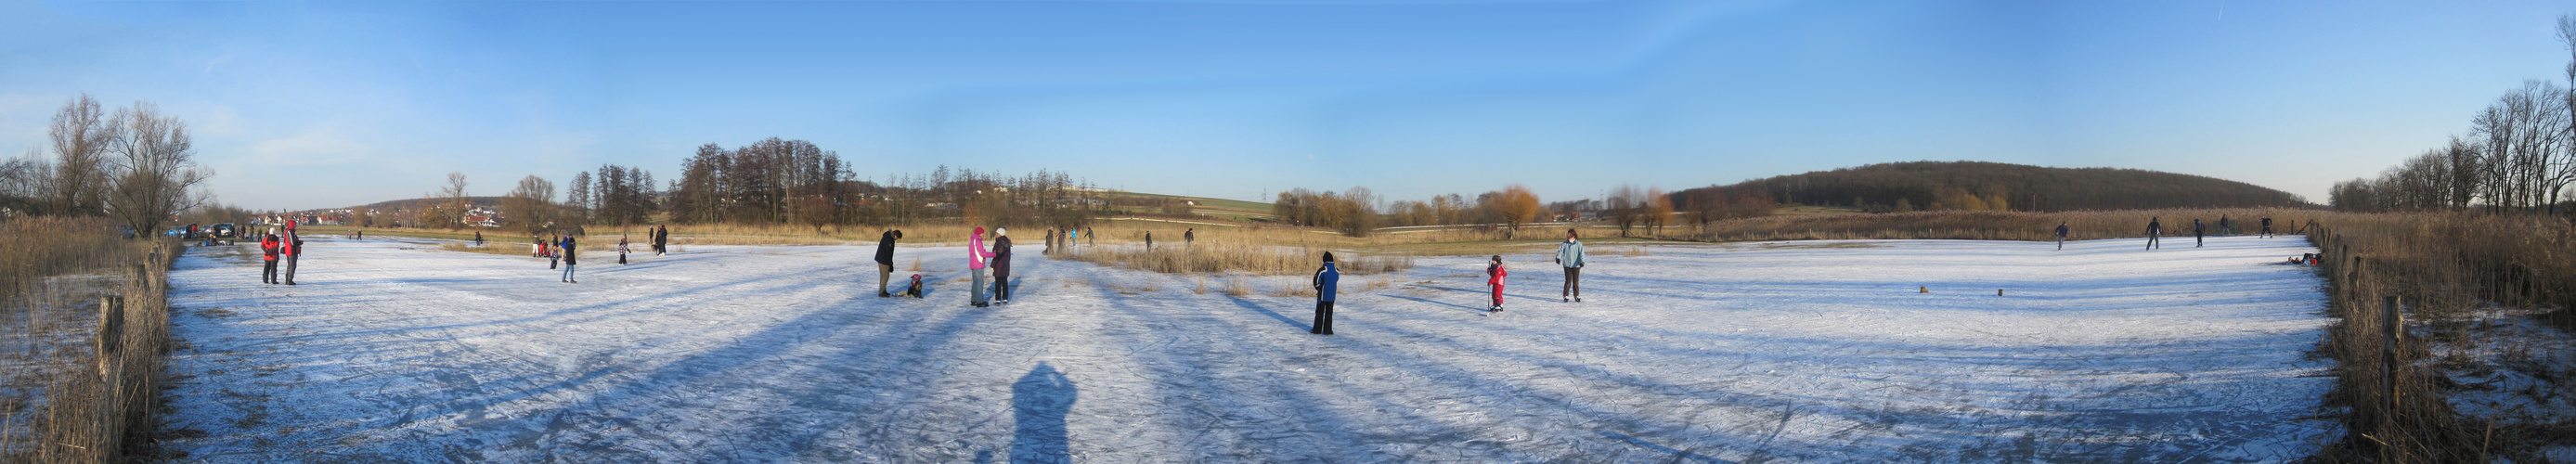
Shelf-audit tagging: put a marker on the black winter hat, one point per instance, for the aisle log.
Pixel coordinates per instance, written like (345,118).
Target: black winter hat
(1328,256)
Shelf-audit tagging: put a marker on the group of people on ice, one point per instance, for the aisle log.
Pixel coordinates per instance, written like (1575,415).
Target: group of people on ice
(274,248)
(2199,231)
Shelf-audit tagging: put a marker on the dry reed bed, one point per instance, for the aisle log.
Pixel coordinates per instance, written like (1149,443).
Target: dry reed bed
(91,407)
(2442,268)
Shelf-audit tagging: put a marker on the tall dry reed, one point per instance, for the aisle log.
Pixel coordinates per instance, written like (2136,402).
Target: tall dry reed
(89,333)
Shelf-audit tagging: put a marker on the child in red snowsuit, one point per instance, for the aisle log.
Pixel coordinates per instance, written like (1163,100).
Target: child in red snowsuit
(1494,273)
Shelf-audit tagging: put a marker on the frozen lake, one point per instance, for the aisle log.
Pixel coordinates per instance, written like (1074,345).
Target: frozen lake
(1797,351)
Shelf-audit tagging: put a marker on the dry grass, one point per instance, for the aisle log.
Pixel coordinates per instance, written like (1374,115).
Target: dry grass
(80,387)
(1230,255)
(2442,267)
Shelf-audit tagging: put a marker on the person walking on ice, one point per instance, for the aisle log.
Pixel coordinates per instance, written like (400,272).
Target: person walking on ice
(1494,274)
(975,256)
(885,260)
(2200,234)
(1570,255)
(1002,265)
(2155,227)
(571,258)
(2267,227)
(2061,235)
(1327,280)
(1190,237)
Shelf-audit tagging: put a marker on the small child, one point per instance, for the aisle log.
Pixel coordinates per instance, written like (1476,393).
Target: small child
(1494,273)
(621,249)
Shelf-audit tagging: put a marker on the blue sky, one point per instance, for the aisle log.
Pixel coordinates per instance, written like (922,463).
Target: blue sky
(324,104)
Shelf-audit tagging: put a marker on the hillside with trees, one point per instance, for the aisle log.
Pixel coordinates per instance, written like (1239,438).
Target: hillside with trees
(1983,186)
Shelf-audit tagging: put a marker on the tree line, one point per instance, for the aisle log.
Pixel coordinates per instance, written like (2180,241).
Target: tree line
(771,181)
(1974,186)
(2519,155)
(134,165)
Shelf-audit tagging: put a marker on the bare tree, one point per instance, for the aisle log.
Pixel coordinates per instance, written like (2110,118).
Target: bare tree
(1517,205)
(1623,206)
(1658,208)
(531,205)
(158,177)
(81,134)
(452,212)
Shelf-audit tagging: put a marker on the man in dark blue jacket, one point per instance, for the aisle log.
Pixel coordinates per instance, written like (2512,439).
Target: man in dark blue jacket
(1326,279)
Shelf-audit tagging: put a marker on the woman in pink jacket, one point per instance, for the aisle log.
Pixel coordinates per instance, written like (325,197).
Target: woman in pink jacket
(1495,273)
(975,255)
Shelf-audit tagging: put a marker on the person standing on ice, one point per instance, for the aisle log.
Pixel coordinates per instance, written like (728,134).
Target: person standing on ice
(661,240)
(268,245)
(1570,255)
(975,256)
(571,258)
(621,249)
(478,238)
(2200,233)
(1190,237)
(1002,265)
(2267,227)
(1494,274)
(2061,235)
(885,259)
(1050,242)
(1149,241)
(554,252)
(2155,227)
(291,246)
(1327,281)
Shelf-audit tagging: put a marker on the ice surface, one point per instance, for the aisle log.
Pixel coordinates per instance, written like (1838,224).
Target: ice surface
(1813,351)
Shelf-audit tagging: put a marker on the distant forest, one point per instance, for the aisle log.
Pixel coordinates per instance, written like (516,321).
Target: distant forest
(1972,185)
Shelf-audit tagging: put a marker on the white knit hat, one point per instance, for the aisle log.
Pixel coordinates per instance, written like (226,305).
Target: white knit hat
(1002,231)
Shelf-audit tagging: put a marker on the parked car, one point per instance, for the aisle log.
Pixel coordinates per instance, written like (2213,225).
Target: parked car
(226,233)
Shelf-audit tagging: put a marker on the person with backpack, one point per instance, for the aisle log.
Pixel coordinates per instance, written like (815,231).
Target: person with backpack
(268,248)
(571,258)
(975,256)
(290,247)
(1494,274)
(1570,255)
(1002,265)
(1328,281)
(885,259)
(2061,235)
(2155,227)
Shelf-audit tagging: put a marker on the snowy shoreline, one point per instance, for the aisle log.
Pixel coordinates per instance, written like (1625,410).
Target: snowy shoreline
(394,350)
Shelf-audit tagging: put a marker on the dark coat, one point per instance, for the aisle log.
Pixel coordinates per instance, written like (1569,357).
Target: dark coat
(1001,256)
(571,252)
(885,248)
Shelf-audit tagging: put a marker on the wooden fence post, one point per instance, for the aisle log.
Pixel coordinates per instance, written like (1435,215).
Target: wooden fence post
(111,333)
(2393,329)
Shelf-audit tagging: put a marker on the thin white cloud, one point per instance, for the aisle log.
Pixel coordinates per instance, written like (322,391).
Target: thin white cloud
(320,147)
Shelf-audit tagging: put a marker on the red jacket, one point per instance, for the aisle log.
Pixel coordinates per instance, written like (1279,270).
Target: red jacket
(268,246)
(1498,275)
(290,245)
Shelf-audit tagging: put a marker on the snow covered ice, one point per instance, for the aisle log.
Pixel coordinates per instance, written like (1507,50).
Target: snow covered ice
(1795,351)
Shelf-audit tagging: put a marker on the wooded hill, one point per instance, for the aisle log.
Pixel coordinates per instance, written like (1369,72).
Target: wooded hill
(1974,185)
